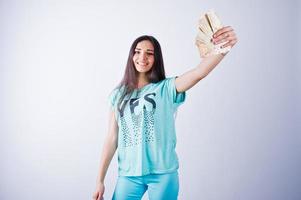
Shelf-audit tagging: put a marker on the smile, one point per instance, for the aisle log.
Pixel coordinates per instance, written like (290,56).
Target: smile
(142,64)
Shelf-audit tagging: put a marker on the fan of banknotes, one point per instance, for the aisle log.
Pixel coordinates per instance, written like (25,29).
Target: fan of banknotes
(208,24)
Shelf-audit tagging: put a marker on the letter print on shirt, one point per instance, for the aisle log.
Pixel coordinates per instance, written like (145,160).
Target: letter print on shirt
(141,111)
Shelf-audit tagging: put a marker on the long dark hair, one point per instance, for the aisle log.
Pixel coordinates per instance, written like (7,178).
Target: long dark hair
(130,77)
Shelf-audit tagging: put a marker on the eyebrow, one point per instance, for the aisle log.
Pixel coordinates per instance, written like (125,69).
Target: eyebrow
(146,50)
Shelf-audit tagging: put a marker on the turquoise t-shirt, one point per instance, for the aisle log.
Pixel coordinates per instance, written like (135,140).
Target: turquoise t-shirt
(147,136)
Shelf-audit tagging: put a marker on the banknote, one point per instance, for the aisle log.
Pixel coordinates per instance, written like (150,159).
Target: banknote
(208,24)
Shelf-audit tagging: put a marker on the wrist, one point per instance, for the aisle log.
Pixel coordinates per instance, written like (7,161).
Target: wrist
(99,181)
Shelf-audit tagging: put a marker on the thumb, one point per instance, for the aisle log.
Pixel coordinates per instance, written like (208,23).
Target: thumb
(95,196)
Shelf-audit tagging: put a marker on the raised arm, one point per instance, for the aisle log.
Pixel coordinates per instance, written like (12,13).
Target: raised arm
(193,76)
(108,151)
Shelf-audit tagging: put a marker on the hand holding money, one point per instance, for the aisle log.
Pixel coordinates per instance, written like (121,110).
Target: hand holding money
(213,38)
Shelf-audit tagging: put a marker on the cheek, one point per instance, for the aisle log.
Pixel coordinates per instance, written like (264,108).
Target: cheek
(152,60)
(134,58)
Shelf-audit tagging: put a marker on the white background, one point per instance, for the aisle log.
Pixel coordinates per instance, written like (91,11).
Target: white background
(238,131)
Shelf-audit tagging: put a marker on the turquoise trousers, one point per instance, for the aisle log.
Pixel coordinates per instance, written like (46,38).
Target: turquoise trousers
(159,187)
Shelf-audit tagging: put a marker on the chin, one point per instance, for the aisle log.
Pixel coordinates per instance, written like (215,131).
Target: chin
(142,70)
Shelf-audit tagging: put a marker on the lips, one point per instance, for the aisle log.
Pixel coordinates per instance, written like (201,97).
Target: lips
(142,64)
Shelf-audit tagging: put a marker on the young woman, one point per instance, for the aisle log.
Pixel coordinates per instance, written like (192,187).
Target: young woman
(142,122)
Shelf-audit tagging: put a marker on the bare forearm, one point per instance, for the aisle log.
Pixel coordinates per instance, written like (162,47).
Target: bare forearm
(108,152)
(191,77)
(207,65)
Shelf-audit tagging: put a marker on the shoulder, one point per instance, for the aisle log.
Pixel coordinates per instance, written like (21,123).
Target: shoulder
(116,91)
(167,80)
(115,94)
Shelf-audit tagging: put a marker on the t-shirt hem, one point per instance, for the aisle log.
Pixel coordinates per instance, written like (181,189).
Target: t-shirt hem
(154,171)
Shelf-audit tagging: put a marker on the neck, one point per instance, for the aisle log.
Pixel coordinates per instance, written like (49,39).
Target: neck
(142,80)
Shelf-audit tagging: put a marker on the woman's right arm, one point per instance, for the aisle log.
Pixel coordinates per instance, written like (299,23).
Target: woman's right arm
(108,151)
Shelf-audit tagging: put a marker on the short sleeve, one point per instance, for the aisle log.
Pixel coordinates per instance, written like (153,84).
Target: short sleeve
(177,97)
(113,98)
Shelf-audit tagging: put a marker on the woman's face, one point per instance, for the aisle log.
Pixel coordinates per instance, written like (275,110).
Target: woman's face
(144,56)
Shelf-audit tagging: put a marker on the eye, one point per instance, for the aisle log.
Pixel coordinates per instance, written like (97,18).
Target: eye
(150,54)
(137,52)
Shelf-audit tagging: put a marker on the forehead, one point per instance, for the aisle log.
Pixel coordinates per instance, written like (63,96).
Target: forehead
(145,44)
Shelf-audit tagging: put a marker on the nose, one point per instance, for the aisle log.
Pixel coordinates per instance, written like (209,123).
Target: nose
(143,56)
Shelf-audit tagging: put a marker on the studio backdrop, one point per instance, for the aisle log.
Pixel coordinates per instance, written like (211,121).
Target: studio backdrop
(238,132)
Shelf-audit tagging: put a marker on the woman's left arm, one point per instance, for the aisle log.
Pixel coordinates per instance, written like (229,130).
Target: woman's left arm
(192,77)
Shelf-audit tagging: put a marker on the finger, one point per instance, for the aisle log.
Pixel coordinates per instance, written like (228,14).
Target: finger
(224,36)
(222,30)
(95,196)
(224,40)
(230,43)
(100,197)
